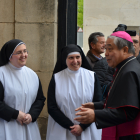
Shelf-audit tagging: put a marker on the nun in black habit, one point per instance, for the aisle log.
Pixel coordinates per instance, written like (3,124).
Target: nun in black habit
(73,83)
(21,96)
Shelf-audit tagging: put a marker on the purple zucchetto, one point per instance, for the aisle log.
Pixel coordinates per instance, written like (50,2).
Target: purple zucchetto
(122,34)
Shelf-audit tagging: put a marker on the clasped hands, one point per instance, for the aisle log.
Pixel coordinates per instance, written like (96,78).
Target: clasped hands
(76,130)
(24,118)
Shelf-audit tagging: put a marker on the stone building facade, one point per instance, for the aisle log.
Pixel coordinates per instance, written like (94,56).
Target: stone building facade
(105,15)
(34,22)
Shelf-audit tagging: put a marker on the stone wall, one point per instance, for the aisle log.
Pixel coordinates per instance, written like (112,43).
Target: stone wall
(34,22)
(105,15)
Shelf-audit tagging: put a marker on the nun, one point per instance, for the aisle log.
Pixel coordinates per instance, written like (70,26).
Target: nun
(73,83)
(21,96)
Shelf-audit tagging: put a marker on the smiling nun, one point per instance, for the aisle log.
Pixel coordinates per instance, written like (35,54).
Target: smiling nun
(73,83)
(21,96)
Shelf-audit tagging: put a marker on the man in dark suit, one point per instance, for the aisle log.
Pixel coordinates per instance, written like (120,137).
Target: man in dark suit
(136,44)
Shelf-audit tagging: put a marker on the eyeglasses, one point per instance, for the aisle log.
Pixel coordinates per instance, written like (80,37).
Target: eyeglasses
(19,53)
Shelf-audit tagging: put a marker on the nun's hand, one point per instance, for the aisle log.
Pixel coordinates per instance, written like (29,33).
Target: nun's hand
(86,105)
(86,116)
(76,130)
(28,119)
(21,117)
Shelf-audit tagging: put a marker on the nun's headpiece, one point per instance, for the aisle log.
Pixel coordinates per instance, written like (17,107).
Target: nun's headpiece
(61,62)
(8,49)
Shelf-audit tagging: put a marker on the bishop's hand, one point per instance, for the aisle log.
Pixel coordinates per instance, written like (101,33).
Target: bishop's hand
(87,115)
(86,105)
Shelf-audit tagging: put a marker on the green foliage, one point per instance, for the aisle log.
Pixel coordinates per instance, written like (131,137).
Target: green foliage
(80,14)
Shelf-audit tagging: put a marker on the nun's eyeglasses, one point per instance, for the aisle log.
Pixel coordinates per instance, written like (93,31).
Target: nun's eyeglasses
(19,53)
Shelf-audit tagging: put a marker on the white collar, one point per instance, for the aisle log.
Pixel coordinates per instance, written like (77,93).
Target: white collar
(13,67)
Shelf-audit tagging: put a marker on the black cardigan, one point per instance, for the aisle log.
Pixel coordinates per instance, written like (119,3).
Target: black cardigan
(7,113)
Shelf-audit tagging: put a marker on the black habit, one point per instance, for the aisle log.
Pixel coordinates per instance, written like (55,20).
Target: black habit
(122,104)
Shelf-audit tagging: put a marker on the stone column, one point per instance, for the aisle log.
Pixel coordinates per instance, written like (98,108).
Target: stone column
(6,21)
(36,25)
